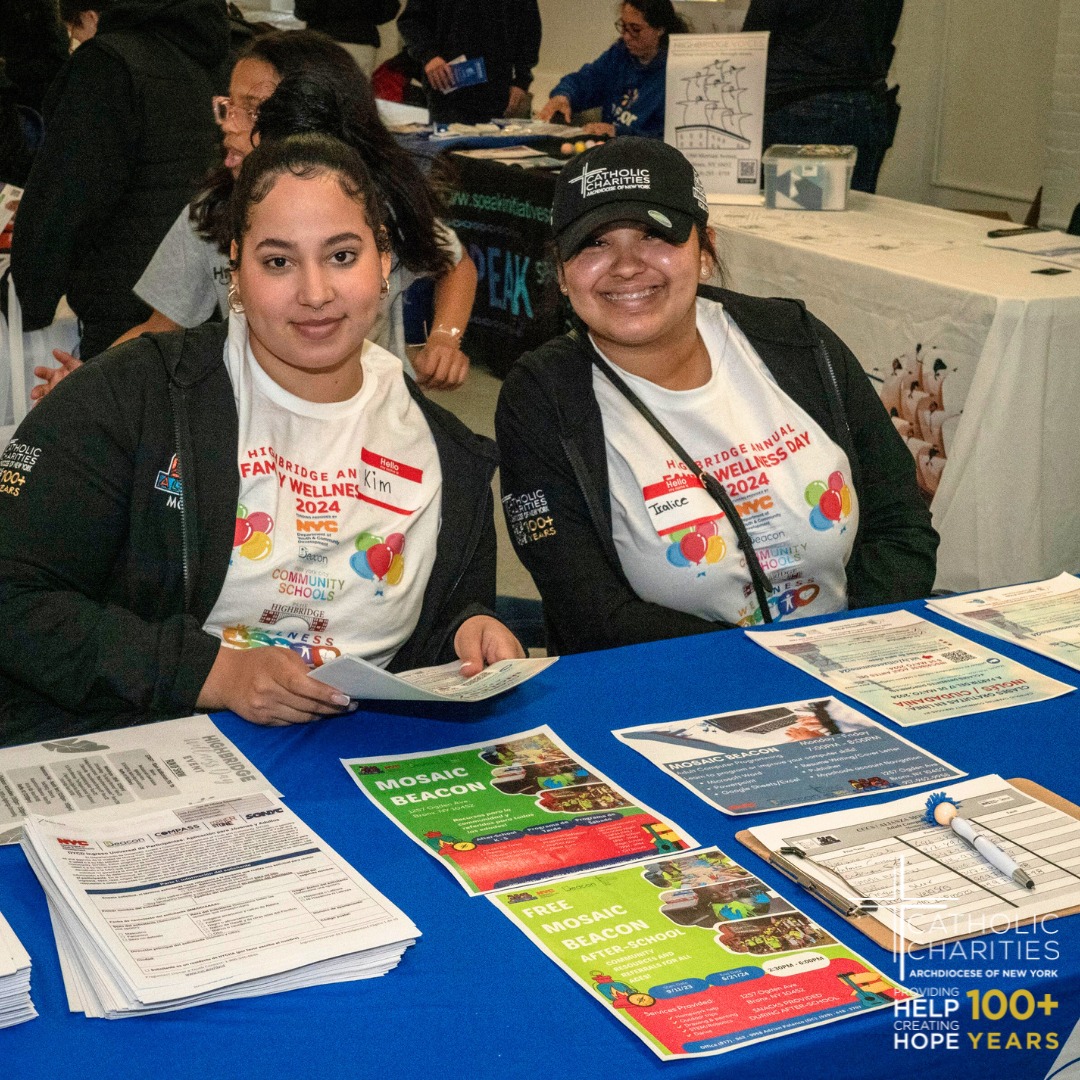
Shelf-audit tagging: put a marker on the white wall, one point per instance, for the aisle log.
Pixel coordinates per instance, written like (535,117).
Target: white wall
(978,91)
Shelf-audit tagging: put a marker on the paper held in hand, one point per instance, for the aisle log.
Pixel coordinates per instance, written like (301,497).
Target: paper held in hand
(363,681)
(219,900)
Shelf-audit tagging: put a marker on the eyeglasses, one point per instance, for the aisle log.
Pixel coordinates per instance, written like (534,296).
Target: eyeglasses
(225,109)
(633,29)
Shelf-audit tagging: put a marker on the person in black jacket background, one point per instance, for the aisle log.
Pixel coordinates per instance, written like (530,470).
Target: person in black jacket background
(351,23)
(825,83)
(129,134)
(505,33)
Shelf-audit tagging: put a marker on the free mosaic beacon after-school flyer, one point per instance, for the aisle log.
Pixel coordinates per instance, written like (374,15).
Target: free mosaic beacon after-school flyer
(514,810)
(696,955)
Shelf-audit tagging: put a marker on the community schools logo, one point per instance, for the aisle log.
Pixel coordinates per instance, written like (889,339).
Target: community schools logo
(602,181)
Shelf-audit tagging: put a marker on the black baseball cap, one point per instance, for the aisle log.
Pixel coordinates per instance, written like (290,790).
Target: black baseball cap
(627,179)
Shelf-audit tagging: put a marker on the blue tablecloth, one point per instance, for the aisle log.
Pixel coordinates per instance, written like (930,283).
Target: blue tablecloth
(474,998)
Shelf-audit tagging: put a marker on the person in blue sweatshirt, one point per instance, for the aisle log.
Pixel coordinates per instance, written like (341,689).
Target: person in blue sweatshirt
(627,82)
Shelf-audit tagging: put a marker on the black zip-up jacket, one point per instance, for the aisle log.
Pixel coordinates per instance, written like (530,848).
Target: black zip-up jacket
(506,33)
(129,134)
(106,576)
(557,500)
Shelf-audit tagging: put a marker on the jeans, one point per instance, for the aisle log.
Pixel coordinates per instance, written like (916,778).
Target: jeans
(859,118)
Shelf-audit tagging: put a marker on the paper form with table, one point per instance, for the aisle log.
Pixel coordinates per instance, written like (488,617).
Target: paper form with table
(219,900)
(927,883)
(908,669)
(15,1004)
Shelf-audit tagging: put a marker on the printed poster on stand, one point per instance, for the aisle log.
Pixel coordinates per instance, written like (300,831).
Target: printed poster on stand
(715,110)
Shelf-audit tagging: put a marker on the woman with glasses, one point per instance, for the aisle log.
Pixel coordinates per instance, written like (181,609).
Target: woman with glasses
(246,500)
(627,82)
(186,282)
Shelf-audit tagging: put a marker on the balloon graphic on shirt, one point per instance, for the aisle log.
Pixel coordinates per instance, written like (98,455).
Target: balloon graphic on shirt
(242,532)
(694,546)
(379,557)
(676,557)
(675,537)
(257,546)
(830,504)
(397,568)
(358,561)
(707,528)
(251,533)
(715,550)
(396,543)
(366,540)
(814,491)
(261,522)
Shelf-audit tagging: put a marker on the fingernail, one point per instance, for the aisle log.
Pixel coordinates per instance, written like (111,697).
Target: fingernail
(340,699)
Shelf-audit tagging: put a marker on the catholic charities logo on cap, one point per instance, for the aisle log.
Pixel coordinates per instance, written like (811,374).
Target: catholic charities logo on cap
(604,181)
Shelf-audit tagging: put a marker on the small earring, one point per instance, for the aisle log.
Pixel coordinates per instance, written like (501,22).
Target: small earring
(706,271)
(235,303)
(384,289)
(564,290)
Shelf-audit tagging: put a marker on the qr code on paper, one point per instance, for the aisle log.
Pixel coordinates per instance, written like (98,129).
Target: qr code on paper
(747,173)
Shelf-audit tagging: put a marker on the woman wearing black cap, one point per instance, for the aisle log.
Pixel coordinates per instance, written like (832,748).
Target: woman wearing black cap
(690,459)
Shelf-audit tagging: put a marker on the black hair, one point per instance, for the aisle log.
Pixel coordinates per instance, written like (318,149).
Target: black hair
(72,11)
(305,155)
(322,89)
(660,15)
(345,108)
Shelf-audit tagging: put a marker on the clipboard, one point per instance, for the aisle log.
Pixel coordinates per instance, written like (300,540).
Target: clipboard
(863,920)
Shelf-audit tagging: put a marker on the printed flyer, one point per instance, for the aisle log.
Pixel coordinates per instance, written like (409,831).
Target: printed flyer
(908,669)
(515,810)
(149,766)
(778,756)
(696,955)
(716,108)
(1043,616)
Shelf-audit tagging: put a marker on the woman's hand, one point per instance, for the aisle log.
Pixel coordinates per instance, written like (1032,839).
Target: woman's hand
(440,364)
(556,105)
(599,129)
(439,74)
(268,685)
(51,376)
(481,641)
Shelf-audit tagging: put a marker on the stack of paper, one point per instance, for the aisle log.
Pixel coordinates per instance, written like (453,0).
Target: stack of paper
(15,1004)
(219,900)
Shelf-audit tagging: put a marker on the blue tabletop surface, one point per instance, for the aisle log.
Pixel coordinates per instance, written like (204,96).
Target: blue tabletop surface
(474,998)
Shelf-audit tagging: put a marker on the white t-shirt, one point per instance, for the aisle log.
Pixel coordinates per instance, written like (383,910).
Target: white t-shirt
(187,280)
(340,507)
(789,481)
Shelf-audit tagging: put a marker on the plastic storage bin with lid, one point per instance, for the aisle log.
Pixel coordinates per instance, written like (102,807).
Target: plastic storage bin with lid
(807,177)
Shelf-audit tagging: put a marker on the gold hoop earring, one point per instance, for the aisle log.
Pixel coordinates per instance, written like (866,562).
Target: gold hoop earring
(384,289)
(235,303)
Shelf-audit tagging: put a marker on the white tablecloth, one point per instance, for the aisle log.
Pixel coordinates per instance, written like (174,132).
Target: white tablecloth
(976,355)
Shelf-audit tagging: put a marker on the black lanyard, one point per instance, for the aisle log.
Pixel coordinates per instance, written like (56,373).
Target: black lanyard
(762,585)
